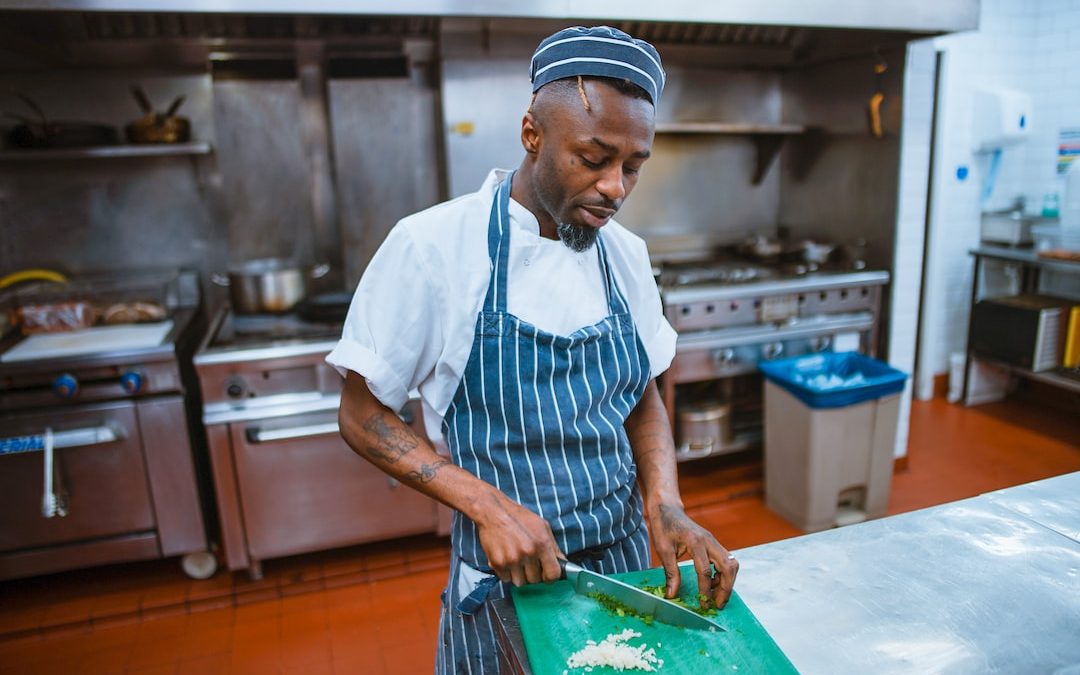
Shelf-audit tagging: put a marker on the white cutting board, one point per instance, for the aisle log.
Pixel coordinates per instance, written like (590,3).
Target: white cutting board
(88,341)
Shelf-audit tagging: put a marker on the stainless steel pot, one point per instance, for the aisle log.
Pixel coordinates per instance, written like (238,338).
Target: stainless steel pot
(268,285)
(703,428)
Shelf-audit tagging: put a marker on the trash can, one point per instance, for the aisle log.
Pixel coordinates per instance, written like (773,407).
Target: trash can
(830,428)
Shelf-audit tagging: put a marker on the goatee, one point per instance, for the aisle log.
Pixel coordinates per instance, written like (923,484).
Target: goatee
(577,238)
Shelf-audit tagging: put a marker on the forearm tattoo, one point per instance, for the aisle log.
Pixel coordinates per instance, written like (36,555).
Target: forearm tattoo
(426,473)
(391,443)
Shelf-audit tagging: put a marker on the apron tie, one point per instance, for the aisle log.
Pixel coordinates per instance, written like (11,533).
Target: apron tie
(472,602)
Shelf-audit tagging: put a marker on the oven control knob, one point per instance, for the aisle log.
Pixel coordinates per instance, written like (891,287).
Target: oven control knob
(773,350)
(724,357)
(131,381)
(820,343)
(65,385)
(235,388)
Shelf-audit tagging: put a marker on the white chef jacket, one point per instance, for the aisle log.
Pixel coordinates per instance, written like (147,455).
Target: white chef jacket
(411,323)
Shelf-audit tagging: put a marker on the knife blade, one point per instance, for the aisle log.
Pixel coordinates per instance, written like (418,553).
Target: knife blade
(639,601)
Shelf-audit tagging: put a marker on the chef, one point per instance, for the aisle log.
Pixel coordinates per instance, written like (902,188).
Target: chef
(529,323)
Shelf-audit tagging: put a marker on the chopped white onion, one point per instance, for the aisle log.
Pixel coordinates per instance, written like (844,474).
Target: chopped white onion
(614,651)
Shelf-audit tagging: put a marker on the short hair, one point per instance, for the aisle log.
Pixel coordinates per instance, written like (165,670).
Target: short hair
(624,87)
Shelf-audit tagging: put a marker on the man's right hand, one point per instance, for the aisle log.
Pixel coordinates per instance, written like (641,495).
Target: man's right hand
(519,544)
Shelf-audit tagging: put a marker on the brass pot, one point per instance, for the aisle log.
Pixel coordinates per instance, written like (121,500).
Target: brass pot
(154,128)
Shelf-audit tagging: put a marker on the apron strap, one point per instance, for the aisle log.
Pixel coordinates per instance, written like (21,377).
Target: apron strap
(499,246)
(616,302)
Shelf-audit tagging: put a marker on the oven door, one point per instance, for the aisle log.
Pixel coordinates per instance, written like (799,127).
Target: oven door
(303,489)
(98,457)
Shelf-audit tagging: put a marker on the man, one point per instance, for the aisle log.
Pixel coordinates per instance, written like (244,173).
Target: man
(529,322)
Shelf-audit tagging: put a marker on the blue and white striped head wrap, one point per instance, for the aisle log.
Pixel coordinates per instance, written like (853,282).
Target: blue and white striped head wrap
(601,51)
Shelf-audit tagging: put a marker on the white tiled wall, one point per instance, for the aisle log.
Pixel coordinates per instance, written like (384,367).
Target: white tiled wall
(1028,46)
(910,219)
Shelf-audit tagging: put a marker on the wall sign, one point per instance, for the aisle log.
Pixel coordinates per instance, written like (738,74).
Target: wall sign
(1068,149)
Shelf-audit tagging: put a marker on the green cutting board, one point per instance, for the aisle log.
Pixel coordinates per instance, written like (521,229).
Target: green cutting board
(556,622)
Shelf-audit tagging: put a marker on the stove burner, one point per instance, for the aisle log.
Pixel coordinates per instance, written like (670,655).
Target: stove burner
(715,273)
(247,330)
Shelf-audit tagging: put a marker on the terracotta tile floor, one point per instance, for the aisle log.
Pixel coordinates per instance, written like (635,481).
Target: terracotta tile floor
(374,609)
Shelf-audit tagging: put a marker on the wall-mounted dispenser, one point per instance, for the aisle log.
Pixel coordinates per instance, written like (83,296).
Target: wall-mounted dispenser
(1002,117)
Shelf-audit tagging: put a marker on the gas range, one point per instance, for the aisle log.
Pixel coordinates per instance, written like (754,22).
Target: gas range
(231,332)
(96,425)
(120,361)
(708,273)
(731,315)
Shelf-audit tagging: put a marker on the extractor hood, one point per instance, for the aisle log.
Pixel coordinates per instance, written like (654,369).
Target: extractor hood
(919,16)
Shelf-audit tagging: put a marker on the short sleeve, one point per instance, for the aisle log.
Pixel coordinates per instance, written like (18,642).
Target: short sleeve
(657,335)
(635,276)
(392,334)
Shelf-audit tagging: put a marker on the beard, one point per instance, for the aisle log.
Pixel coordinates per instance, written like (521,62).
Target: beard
(577,238)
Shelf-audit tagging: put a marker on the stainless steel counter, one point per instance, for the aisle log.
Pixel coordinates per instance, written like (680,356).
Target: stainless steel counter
(1053,503)
(984,585)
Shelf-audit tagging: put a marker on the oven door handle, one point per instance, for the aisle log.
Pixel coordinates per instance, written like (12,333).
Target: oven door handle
(72,438)
(257,435)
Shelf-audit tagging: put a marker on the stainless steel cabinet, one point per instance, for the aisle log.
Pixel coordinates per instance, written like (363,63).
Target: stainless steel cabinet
(289,484)
(301,488)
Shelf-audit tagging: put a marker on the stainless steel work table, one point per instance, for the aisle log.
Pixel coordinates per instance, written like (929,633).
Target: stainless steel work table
(984,585)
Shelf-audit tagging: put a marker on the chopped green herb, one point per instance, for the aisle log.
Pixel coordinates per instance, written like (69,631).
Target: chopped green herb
(660,590)
(613,606)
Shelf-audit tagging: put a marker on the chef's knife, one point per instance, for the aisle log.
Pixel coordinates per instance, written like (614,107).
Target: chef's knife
(640,602)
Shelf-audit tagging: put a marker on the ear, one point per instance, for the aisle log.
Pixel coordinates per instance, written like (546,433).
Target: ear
(531,134)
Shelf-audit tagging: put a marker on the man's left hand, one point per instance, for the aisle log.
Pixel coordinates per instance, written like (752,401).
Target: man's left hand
(674,536)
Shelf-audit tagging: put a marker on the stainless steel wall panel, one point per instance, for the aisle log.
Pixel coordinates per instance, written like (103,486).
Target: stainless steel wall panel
(848,189)
(385,146)
(850,194)
(710,94)
(318,146)
(489,96)
(695,193)
(264,167)
(834,95)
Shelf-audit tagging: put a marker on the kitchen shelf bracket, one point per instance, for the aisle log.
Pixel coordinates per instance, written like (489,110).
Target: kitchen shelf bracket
(767,148)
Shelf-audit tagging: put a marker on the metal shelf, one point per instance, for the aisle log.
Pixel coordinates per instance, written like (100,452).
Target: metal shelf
(107,152)
(1046,376)
(767,138)
(978,386)
(731,128)
(1025,257)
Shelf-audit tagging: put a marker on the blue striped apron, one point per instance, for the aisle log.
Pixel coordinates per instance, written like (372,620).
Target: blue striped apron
(540,416)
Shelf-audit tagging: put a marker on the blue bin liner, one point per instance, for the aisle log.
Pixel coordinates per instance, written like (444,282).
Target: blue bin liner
(834,379)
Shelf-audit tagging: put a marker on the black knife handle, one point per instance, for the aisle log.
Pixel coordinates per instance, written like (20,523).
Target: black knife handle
(565,566)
